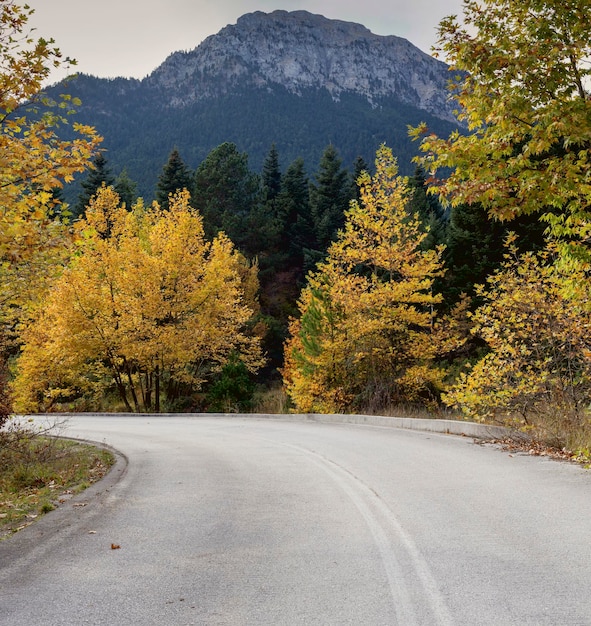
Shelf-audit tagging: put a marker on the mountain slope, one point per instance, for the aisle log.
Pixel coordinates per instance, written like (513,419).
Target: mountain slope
(301,51)
(295,79)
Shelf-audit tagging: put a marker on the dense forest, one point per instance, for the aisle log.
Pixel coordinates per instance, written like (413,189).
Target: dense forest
(283,222)
(461,286)
(139,129)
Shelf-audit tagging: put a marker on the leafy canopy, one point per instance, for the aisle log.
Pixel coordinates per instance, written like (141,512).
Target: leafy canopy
(536,322)
(34,161)
(146,304)
(368,335)
(521,81)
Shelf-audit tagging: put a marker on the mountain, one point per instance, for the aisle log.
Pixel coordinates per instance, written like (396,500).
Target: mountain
(300,51)
(295,79)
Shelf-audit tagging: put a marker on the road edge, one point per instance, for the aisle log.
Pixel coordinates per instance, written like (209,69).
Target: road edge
(67,515)
(444,426)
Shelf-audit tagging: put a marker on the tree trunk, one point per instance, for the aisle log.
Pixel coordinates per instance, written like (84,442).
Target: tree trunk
(148,392)
(120,385)
(132,389)
(157,389)
(123,393)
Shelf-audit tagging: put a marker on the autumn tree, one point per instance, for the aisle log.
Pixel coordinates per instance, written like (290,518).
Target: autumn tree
(147,306)
(34,160)
(5,396)
(367,335)
(35,163)
(522,86)
(536,322)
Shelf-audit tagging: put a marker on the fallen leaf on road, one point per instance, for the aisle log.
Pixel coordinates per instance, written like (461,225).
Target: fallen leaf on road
(115,546)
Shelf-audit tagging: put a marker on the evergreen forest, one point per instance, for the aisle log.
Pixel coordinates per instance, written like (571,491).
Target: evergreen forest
(139,131)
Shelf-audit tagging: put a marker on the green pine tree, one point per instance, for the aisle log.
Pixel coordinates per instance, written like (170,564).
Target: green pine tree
(175,176)
(329,198)
(98,174)
(359,167)
(428,208)
(225,191)
(475,246)
(271,174)
(297,233)
(126,188)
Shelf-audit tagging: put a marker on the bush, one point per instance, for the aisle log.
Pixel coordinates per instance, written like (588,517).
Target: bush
(233,391)
(535,319)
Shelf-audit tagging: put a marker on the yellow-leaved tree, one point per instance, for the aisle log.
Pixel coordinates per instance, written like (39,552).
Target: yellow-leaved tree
(522,83)
(536,322)
(146,306)
(368,333)
(522,73)
(34,161)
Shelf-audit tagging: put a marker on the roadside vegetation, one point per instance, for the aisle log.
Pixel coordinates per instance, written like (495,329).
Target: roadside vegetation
(522,86)
(38,472)
(463,290)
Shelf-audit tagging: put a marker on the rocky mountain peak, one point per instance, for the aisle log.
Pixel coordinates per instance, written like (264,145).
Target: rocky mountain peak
(297,51)
(338,30)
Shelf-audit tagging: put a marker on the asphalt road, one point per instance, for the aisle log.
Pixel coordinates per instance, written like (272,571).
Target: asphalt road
(260,521)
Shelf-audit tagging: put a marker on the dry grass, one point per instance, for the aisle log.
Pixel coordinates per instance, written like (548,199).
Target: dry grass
(38,471)
(411,410)
(271,401)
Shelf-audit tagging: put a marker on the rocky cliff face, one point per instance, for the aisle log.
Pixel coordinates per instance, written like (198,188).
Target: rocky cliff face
(295,80)
(299,51)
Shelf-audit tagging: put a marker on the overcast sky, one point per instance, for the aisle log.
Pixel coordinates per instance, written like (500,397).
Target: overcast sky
(112,38)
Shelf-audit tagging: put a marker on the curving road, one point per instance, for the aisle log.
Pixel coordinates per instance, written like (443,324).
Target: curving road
(230,520)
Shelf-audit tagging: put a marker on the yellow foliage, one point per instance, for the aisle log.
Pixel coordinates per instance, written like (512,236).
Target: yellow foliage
(536,320)
(368,334)
(521,81)
(33,162)
(147,299)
